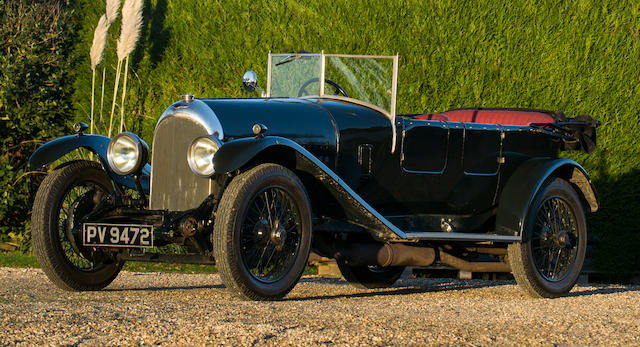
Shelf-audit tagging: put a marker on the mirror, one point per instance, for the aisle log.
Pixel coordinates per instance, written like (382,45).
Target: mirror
(250,81)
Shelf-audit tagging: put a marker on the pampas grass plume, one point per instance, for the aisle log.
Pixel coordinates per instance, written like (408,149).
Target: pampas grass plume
(112,10)
(130,30)
(99,42)
(129,33)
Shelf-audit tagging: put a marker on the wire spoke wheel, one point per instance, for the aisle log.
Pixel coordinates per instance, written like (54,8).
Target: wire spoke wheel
(66,196)
(370,276)
(262,232)
(271,234)
(549,260)
(555,239)
(78,201)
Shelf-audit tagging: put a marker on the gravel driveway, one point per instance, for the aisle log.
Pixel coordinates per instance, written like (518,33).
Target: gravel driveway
(159,308)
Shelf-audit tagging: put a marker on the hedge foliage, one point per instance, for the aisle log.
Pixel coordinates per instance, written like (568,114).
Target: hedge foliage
(578,56)
(36,42)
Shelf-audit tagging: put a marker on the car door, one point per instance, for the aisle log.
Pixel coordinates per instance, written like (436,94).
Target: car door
(482,149)
(449,167)
(481,162)
(425,146)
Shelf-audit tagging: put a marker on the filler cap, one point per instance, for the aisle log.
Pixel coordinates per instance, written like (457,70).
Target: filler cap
(187,97)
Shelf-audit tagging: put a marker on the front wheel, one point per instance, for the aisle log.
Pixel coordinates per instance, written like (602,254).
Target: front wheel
(548,261)
(262,233)
(66,195)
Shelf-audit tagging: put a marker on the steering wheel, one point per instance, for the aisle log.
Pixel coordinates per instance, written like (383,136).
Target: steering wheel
(339,90)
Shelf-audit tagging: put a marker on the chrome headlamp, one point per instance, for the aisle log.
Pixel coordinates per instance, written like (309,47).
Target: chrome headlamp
(127,153)
(200,155)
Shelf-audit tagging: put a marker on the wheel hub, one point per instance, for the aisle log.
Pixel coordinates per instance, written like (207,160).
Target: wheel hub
(561,239)
(261,228)
(278,235)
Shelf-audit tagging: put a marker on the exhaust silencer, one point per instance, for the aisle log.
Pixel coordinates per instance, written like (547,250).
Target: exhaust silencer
(388,254)
(398,254)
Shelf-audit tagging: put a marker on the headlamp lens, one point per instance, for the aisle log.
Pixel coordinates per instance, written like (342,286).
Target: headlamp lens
(124,154)
(200,156)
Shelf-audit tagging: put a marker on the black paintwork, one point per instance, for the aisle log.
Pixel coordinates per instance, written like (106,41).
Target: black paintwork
(297,119)
(518,193)
(479,177)
(236,153)
(457,170)
(98,144)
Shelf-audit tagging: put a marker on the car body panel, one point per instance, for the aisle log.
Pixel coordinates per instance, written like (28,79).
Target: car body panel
(98,144)
(520,191)
(236,153)
(301,120)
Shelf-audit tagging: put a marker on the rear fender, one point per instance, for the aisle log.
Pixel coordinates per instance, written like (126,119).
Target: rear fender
(98,144)
(520,191)
(234,155)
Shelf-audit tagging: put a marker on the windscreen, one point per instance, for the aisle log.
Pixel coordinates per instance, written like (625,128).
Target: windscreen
(365,79)
(368,79)
(295,75)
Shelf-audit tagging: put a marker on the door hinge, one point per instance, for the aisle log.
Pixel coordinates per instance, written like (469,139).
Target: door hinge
(365,158)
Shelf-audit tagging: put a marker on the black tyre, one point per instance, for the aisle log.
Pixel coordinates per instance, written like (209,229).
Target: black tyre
(262,233)
(549,260)
(365,276)
(65,196)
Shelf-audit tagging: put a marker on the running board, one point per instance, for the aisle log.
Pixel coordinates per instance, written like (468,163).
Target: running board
(444,236)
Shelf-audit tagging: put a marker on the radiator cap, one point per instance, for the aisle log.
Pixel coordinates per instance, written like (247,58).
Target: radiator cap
(187,98)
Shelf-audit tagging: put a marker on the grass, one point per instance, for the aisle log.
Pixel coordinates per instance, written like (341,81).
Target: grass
(578,56)
(22,260)
(18,259)
(28,260)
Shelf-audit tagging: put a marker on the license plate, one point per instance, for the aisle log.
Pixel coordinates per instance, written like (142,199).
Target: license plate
(117,235)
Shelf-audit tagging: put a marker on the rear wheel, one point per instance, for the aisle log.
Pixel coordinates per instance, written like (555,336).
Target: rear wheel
(262,233)
(368,276)
(549,260)
(65,196)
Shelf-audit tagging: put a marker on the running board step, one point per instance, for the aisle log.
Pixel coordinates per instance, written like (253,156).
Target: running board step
(444,236)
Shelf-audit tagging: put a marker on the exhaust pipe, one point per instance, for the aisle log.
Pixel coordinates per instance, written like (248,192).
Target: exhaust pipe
(388,254)
(462,264)
(399,254)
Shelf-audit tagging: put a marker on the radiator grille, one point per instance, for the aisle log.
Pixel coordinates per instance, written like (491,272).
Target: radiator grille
(174,186)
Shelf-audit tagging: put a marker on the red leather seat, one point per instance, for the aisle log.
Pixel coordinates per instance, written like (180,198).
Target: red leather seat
(433,116)
(503,117)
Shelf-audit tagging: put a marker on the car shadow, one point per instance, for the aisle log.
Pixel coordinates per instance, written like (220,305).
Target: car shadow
(164,288)
(404,287)
(604,291)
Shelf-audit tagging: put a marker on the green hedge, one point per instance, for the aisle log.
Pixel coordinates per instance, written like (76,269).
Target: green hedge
(36,40)
(576,56)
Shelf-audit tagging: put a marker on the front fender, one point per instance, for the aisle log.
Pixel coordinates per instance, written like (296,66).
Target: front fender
(235,154)
(98,144)
(523,186)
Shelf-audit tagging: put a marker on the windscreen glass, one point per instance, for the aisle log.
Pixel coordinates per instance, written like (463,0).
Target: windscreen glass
(294,75)
(368,79)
